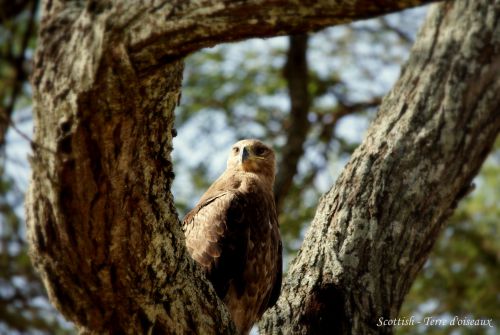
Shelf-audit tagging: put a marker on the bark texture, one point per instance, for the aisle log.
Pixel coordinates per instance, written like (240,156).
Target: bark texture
(102,225)
(374,229)
(156,34)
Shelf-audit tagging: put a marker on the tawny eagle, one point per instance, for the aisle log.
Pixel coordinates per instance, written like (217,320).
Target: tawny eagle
(233,234)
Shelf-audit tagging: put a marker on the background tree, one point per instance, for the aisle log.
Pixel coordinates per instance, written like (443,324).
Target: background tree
(23,304)
(325,116)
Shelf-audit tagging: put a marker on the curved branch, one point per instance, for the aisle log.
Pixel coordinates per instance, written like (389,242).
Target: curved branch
(175,29)
(102,224)
(373,231)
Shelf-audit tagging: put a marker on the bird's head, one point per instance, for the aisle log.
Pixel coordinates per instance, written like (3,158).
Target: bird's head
(253,156)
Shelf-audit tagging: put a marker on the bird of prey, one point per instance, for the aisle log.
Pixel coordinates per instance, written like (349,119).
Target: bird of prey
(233,234)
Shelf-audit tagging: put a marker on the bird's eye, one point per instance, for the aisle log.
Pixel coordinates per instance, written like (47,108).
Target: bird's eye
(236,150)
(259,151)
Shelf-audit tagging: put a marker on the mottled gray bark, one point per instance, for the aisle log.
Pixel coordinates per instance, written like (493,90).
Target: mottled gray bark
(157,34)
(102,224)
(374,229)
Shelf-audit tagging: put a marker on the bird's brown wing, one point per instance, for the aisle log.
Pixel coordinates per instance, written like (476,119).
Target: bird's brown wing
(275,293)
(217,238)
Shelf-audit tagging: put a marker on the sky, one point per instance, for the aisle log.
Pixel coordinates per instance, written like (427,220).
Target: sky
(213,150)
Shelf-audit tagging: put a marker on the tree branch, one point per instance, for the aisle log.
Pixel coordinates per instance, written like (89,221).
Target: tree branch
(102,225)
(373,231)
(173,30)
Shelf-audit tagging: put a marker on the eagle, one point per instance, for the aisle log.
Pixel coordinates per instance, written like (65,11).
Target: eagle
(233,233)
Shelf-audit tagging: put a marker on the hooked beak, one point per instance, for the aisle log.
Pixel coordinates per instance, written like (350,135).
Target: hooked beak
(245,155)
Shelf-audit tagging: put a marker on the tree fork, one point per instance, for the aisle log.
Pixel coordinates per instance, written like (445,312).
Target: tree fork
(102,225)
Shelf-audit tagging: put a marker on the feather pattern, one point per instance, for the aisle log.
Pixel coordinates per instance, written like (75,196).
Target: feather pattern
(233,233)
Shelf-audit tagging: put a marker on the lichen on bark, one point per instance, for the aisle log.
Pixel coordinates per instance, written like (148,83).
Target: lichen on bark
(102,224)
(378,223)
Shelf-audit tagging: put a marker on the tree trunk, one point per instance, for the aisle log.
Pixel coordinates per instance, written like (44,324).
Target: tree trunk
(375,228)
(102,224)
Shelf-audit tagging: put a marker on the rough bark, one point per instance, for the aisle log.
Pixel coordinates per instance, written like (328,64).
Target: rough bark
(192,25)
(102,225)
(374,229)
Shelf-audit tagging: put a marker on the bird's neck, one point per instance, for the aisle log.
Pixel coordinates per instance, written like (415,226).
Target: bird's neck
(248,181)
